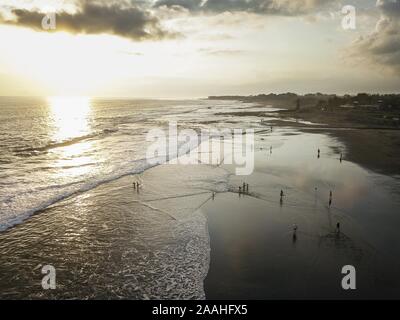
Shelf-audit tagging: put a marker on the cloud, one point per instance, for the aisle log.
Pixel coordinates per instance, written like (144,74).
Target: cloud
(382,46)
(122,19)
(272,7)
(142,19)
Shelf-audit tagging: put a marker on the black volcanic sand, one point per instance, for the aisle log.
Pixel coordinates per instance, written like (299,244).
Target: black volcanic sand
(254,254)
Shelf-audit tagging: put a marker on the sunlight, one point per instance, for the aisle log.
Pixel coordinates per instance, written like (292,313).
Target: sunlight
(70,116)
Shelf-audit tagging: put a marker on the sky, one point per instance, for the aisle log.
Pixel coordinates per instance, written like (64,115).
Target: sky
(197,48)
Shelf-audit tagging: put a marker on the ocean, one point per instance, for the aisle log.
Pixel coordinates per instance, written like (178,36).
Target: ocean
(52,148)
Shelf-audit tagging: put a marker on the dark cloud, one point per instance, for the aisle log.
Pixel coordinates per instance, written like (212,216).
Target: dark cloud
(129,21)
(140,19)
(273,7)
(389,7)
(382,47)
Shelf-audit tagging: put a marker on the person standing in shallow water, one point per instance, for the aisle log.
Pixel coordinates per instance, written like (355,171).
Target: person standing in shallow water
(294,232)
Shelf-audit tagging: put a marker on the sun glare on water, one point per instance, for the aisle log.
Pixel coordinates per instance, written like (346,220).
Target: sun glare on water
(70,116)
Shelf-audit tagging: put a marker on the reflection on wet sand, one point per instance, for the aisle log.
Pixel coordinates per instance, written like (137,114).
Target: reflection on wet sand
(116,242)
(294,243)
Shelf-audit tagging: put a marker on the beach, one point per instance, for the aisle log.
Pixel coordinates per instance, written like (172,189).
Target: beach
(254,253)
(188,233)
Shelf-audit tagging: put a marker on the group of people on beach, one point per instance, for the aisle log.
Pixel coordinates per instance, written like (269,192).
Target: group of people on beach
(295,227)
(136,185)
(244,189)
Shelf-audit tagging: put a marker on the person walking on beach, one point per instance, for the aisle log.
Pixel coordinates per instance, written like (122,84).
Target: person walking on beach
(294,232)
(281,200)
(338,227)
(330,198)
(319,153)
(341,157)
(213,195)
(247,188)
(240,190)
(134,185)
(270,150)
(244,187)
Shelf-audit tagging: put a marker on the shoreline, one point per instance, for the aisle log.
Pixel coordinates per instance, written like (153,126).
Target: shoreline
(156,244)
(375,147)
(114,242)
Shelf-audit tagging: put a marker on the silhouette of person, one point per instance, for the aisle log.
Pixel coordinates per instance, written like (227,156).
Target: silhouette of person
(294,233)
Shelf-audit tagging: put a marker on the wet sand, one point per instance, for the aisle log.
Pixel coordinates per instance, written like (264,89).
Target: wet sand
(253,252)
(370,140)
(171,240)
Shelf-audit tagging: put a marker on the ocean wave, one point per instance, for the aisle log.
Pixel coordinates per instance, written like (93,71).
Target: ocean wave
(30,151)
(12,218)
